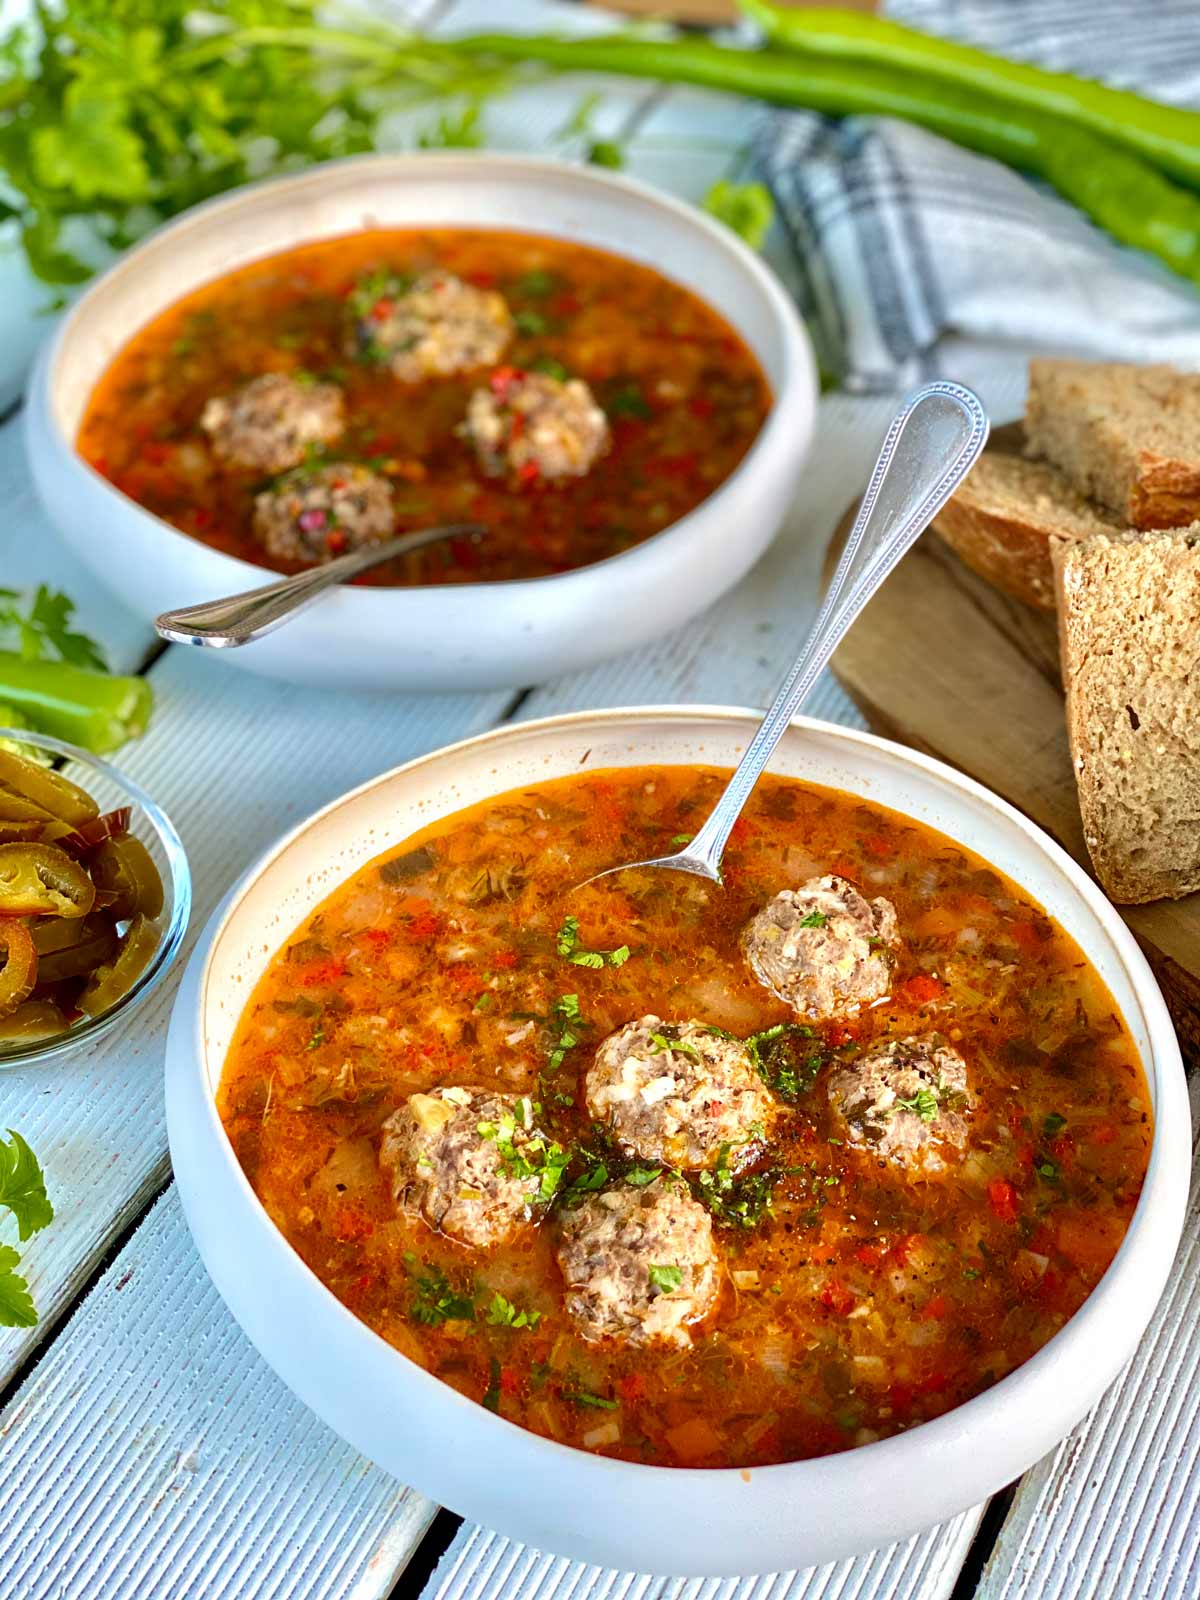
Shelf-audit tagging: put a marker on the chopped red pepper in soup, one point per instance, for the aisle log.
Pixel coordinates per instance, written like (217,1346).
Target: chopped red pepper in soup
(571,402)
(574,1153)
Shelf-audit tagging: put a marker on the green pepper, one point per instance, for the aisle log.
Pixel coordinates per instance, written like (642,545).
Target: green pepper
(19,971)
(113,981)
(34,1020)
(1115,187)
(97,944)
(1166,136)
(42,880)
(91,709)
(124,867)
(49,789)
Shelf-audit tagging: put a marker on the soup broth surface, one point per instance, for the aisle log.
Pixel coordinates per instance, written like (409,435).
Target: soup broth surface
(856,1299)
(682,396)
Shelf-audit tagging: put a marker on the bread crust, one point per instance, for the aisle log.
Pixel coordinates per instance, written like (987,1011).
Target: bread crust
(1001,522)
(1125,603)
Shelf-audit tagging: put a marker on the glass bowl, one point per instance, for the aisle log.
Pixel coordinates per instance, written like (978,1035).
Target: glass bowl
(111,789)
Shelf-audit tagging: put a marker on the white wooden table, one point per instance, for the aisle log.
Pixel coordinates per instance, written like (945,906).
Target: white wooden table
(146,1451)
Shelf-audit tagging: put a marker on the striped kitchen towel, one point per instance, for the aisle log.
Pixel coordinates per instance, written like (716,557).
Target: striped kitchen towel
(904,243)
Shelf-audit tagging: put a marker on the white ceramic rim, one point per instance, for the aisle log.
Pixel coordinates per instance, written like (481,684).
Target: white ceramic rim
(797,363)
(1169,1165)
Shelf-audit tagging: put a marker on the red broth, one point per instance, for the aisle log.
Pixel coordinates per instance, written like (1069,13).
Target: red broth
(683,397)
(856,1300)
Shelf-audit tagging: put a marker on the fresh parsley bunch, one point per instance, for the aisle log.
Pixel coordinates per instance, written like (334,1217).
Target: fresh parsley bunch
(125,112)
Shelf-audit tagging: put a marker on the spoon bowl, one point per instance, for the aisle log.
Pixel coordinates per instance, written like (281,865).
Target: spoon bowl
(239,619)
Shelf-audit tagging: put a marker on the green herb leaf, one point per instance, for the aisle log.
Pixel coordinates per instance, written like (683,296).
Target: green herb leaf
(747,208)
(530,323)
(501,1313)
(661,1042)
(23,1187)
(787,1063)
(924,1103)
(1054,1124)
(814,919)
(41,630)
(667,1278)
(435,1300)
(16,1306)
(568,946)
(581,1397)
(737,1202)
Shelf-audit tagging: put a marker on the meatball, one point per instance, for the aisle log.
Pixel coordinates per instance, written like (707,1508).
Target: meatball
(822,948)
(906,1101)
(428,327)
(679,1093)
(313,516)
(530,426)
(639,1263)
(471,1161)
(268,424)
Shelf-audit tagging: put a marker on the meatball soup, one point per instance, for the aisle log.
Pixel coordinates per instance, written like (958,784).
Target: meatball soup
(689,1175)
(571,402)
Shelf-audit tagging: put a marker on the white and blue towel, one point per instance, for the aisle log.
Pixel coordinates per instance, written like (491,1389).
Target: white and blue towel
(905,244)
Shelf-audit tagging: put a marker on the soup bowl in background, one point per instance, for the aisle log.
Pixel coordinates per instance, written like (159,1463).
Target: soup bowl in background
(619,1513)
(453,636)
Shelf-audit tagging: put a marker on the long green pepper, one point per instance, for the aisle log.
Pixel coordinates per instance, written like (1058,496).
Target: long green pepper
(1166,136)
(1127,196)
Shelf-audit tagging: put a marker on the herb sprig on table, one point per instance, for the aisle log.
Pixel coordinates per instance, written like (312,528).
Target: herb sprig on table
(23,1195)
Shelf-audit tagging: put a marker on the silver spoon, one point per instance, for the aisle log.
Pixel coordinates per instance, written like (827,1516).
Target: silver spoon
(930,447)
(240,618)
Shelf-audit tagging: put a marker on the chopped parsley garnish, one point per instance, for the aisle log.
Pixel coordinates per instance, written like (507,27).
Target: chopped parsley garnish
(551,367)
(536,285)
(1050,1170)
(536,1157)
(814,919)
(659,1042)
(737,1202)
(640,1177)
(629,403)
(924,1104)
(568,946)
(681,838)
(1054,1124)
(581,1397)
(971,1273)
(530,322)
(786,1062)
(435,1300)
(666,1278)
(567,1014)
(316,1039)
(491,1395)
(503,1314)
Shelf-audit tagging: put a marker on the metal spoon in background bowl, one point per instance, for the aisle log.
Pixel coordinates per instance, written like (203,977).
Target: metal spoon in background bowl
(932,444)
(241,618)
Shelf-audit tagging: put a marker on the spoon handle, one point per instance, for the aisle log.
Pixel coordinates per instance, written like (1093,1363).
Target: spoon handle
(930,447)
(239,618)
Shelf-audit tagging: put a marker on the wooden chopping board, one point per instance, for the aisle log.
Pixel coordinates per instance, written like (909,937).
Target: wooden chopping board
(944,662)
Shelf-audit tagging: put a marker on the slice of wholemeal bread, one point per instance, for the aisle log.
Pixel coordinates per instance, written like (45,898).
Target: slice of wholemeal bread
(1003,518)
(1127,436)
(1129,627)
